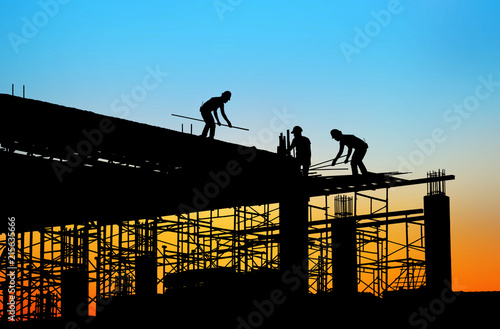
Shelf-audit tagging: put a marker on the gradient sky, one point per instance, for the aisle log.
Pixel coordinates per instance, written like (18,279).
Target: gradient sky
(419,80)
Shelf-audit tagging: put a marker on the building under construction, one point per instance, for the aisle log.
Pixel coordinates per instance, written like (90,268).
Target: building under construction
(113,222)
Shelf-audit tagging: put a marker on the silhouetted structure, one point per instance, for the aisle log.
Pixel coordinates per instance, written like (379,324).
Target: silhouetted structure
(352,142)
(238,239)
(344,257)
(437,236)
(302,145)
(293,235)
(211,106)
(74,294)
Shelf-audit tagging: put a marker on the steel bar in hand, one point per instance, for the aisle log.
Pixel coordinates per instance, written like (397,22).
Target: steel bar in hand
(325,166)
(317,164)
(182,116)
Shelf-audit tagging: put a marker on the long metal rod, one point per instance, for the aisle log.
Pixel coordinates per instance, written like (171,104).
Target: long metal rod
(320,163)
(182,116)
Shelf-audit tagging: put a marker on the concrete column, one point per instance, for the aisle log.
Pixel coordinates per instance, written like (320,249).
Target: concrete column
(344,262)
(437,241)
(74,293)
(294,237)
(145,276)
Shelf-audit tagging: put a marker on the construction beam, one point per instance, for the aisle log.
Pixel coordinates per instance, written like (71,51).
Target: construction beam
(344,184)
(391,221)
(373,216)
(376,224)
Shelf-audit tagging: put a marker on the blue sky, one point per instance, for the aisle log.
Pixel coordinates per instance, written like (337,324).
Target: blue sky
(420,60)
(415,62)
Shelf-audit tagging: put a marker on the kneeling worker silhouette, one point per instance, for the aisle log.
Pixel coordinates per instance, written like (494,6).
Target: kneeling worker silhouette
(352,142)
(303,146)
(212,105)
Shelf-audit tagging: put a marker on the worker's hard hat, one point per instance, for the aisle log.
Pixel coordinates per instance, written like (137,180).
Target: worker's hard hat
(335,133)
(296,129)
(226,95)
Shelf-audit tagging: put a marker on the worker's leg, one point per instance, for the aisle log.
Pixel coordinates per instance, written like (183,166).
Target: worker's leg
(362,168)
(205,130)
(209,124)
(305,169)
(354,166)
(357,161)
(212,131)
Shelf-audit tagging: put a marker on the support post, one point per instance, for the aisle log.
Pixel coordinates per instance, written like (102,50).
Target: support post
(293,234)
(74,292)
(437,238)
(344,256)
(145,276)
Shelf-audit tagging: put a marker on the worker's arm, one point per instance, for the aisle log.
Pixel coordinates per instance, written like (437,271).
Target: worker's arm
(349,151)
(216,117)
(341,150)
(224,116)
(291,147)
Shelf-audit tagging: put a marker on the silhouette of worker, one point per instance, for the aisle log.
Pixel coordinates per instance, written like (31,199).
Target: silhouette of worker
(212,105)
(352,142)
(302,145)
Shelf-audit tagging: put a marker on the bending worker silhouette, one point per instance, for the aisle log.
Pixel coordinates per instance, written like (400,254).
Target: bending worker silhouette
(352,142)
(212,105)
(303,146)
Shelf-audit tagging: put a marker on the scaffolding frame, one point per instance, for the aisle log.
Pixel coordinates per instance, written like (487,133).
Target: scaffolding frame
(243,239)
(390,245)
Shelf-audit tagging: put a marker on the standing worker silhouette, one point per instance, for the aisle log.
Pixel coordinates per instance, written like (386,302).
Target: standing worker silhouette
(352,142)
(212,105)
(303,146)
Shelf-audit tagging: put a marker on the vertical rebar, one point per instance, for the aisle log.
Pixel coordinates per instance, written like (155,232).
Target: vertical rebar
(343,206)
(438,186)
